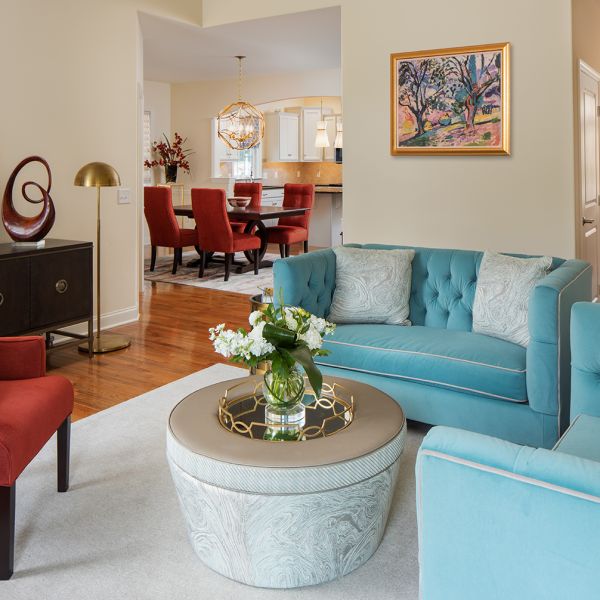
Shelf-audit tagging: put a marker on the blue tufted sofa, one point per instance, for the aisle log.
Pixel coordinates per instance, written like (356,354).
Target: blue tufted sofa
(439,370)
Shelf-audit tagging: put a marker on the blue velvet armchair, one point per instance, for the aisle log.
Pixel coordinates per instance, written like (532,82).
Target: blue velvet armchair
(498,520)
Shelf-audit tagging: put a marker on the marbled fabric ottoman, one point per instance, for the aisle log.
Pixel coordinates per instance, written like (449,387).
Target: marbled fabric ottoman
(285,514)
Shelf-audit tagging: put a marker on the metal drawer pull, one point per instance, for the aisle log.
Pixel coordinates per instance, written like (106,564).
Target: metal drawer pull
(1,298)
(62,286)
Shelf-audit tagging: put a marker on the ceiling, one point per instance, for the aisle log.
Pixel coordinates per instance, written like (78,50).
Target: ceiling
(179,52)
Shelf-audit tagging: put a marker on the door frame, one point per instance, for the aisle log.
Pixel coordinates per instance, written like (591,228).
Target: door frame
(584,69)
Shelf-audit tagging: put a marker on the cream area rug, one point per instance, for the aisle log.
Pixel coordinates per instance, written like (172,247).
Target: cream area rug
(248,284)
(118,533)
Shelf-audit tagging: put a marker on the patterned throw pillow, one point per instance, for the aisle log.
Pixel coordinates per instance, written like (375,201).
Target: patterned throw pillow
(504,286)
(372,286)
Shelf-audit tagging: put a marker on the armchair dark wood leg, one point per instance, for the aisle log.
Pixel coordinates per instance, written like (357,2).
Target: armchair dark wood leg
(7,531)
(287,250)
(305,246)
(282,250)
(63,451)
(180,256)
(202,263)
(228,259)
(153,258)
(175,261)
(256,261)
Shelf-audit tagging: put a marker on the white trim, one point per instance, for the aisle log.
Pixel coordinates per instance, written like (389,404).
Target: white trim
(109,320)
(558,344)
(514,476)
(442,384)
(465,360)
(555,447)
(588,70)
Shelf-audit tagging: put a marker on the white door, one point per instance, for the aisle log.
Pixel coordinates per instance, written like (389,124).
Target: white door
(589,190)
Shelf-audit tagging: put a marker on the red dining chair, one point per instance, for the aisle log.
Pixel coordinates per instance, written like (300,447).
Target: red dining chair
(32,407)
(214,231)
(254,190)
(163,226)
(292,230)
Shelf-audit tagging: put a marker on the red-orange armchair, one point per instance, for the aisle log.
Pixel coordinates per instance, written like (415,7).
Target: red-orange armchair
(33,406)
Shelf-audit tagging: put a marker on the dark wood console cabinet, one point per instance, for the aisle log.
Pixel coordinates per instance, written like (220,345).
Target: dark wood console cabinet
(45,289)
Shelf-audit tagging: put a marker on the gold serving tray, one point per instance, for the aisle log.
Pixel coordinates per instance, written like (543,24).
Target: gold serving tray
(242,411)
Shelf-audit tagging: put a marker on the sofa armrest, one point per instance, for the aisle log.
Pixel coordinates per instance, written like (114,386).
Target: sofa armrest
(306,280)
(22,357)
(548,353)
(486,507)
(585,359)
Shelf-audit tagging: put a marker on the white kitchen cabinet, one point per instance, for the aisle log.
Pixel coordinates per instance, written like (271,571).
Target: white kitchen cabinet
(310,118)
(283,136)
(272,197)
(235,164)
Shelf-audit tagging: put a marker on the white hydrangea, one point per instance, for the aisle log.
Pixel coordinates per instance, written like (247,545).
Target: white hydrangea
(312,337)
(258,344)
(290,318)
(255,318)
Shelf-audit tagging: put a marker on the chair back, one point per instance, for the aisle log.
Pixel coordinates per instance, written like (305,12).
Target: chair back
(162,223)
(298,195)
(210,212)
(254,190)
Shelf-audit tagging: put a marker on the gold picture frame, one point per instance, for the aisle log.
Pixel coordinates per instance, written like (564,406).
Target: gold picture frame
(451,101)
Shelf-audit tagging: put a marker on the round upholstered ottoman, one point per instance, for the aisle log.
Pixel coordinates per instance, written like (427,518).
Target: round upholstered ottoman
(285,514)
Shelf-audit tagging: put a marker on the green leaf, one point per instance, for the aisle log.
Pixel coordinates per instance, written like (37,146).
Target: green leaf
(303,356)
(279,336)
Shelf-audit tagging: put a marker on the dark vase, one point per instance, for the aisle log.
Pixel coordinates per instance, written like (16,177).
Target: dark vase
(171,173)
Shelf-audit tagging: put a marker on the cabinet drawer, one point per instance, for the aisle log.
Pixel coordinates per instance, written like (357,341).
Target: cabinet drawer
(61,287)
(14,296)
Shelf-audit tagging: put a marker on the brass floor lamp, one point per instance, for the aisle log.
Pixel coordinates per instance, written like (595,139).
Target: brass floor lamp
(98,175)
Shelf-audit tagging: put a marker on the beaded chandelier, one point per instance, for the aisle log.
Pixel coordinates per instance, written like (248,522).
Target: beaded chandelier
(240,125)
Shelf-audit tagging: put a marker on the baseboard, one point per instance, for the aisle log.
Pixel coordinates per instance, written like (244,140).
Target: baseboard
(109,320)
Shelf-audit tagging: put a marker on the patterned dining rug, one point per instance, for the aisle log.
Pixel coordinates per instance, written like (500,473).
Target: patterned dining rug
(245,283)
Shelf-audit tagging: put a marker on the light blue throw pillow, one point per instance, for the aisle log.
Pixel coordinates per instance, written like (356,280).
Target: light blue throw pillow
(372,286)
(504,286)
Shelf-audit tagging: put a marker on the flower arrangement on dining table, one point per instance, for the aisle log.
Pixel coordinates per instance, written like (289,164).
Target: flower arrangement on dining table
(283,336)
(172,155)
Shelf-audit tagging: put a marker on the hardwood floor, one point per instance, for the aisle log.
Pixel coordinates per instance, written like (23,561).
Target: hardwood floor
(168,342)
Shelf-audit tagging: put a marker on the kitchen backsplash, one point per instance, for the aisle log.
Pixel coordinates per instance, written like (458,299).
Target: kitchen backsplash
(301,172)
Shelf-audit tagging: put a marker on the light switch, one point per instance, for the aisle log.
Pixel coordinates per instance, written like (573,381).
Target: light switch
(123,196)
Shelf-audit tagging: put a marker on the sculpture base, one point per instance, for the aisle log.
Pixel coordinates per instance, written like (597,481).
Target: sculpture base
(39,244)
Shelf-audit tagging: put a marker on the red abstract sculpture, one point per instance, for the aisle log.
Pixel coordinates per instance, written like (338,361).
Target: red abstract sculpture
(19,227)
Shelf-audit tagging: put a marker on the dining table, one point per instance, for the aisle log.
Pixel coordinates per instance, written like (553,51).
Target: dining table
(254,218)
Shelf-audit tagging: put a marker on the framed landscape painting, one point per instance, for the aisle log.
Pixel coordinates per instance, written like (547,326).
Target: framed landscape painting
(451,101)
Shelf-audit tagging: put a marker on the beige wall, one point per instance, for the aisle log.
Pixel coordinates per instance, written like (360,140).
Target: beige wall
(519,203)
(72,93)
(586,47)
(157,100)
(193,105)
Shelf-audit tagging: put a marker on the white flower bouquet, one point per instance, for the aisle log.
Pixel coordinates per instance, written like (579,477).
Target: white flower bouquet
(284,336)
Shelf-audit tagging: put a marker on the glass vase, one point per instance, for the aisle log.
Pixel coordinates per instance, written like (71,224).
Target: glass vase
(170,173)
(284,411)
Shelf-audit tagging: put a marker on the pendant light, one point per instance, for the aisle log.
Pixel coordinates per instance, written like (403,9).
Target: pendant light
(339,136)
(322,139)
(240,125)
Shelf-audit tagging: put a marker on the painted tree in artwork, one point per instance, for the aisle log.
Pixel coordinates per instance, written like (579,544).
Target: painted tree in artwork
(479,76)
(421,85)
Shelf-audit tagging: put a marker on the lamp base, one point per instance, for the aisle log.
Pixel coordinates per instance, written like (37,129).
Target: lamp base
(106,342)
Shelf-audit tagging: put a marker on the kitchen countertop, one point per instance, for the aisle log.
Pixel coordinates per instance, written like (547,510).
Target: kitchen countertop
(328,189)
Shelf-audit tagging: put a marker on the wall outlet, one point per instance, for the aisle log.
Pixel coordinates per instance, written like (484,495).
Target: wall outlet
(319,173)
(123,196)
(276,174)
(297,173)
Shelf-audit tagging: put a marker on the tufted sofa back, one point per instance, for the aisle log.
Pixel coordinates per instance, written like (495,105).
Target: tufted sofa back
(443,285)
